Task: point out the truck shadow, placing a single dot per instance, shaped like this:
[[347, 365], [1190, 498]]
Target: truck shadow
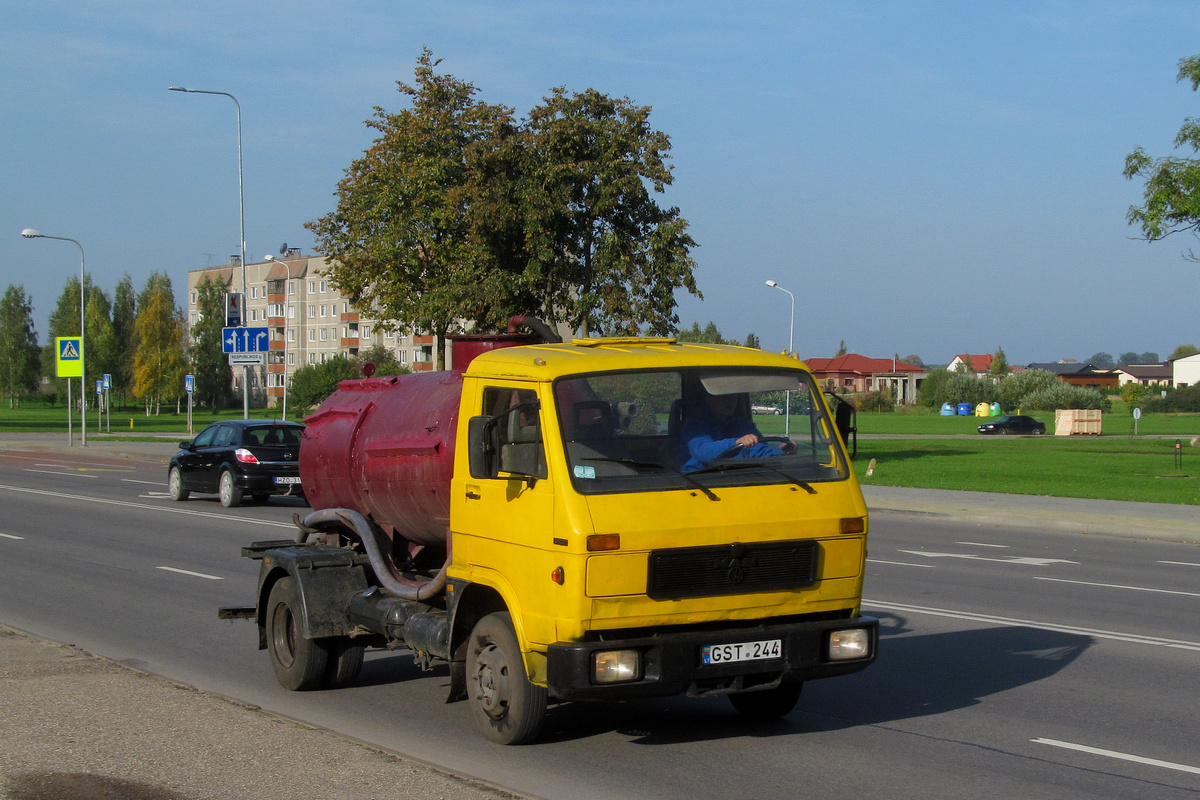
[[915, 675]]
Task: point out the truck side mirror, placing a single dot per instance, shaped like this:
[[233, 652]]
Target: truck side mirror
[[483, 442]]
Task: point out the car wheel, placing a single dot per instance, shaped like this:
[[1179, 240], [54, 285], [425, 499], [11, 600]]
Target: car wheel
[[1038, 431], [230, 494], [299, 663], [507, 708], [768, 704], [175, 485]]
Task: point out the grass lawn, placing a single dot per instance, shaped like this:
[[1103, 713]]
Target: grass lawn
[[1113, 466], [125, 424]]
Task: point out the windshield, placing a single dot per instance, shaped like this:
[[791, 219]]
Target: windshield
[[698, 429]]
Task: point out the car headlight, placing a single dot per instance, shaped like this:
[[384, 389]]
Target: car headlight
[[849, 644], [615, 666]]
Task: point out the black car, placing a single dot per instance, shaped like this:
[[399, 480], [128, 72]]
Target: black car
[[1017, 424], [256, 457]]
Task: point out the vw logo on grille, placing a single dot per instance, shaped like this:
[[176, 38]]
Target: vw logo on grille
[[736, 573]]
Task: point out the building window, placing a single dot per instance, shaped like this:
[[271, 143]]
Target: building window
[[312, 335], [323, 289], [291, 334], [312, 312], [324, 335], [291, 311], [389, 334], [312, 358], [403, 354], [291, 359], [254, 315], [323, 310], [291, 287], [311, 287], [193, 298]]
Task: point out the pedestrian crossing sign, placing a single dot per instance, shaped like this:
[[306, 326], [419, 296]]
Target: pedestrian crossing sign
[[70, 356]]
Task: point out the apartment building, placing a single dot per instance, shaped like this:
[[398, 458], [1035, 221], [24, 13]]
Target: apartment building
[[309, 321]]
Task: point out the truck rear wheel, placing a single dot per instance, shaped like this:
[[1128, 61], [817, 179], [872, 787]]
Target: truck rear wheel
[[507, 708], [299, 663], [345, 661], [769, 704]]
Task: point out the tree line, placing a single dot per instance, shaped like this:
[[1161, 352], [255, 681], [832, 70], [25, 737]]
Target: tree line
[[136, 337]]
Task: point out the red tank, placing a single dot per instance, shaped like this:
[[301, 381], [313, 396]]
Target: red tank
[[384, 446]]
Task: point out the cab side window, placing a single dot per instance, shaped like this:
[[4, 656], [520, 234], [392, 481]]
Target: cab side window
[[518, 423]]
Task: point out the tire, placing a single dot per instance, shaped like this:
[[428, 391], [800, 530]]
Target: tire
[[231, 495], [300, 664], [1038, 431], [175, 485], [345, 661], [507, 708], [769, 704]]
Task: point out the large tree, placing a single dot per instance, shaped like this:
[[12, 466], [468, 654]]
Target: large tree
[[18, 345], [1172, 194], [602, 254], [405, 239], [214, 378], [158, 363]]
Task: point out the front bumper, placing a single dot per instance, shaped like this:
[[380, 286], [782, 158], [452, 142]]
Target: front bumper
[[671, 662]]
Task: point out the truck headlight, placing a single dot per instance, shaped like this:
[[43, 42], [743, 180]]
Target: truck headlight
[[849, 644], [614, 666]]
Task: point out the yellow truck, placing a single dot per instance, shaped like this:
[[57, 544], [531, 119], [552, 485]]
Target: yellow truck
[[554, 522]]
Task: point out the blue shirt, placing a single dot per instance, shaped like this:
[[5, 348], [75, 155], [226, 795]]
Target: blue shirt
[[706, 437]]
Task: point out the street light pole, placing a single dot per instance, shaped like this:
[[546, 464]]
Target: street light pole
[[242, 235], [286, 307], [30, 233], [787, 424]]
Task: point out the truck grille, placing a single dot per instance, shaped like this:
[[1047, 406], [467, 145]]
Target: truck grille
[[732, 569]]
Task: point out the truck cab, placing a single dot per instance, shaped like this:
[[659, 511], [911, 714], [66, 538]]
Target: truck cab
[[626, 568]]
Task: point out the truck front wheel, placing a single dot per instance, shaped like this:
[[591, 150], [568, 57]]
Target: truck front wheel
[[769, 704], [507, 708], [299, 663]]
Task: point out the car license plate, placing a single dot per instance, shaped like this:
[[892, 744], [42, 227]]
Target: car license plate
[[742, 651], [281, 480]]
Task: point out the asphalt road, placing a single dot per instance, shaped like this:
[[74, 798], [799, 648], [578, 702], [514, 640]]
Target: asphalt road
[[1014, 663]]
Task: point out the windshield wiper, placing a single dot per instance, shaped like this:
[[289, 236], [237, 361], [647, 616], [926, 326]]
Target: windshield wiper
[[751, 464]]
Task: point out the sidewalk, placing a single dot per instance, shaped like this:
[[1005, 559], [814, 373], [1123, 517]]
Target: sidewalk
[[1109, 517], [74, 726]]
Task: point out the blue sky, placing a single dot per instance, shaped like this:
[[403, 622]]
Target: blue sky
[[926, 177]]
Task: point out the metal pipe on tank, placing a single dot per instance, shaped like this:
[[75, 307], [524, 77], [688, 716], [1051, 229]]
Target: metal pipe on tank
[[382, 566]]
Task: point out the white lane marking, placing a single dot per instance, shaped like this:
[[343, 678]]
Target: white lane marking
[[86, 466], [982, 544], [151, 483], [70, 474], [154, 494], [1119, 586], [10, 536], [1023, 560], [1153, 762], [167, 509], [1156, 641], [193, 574], [900, 563], [1180, 563]]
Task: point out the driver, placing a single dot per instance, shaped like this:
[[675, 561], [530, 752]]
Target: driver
[[717, 427]]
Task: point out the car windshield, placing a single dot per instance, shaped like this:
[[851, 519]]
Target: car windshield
[[626, 432]]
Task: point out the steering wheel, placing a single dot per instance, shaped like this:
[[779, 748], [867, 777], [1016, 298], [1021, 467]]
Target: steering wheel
[[737, 448]]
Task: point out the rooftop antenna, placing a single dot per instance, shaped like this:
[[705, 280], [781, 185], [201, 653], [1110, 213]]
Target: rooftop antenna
[[283, 249]]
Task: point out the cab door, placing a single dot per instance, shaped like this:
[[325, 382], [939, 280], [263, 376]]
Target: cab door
[[501, 517]]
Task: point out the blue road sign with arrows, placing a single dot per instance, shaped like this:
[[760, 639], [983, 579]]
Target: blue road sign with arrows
[[245, 340]]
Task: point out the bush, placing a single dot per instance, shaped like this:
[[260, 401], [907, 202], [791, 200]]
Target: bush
[[1185, 399], [1016, 386], [1131, 393], [1064, 395], [879, 400]]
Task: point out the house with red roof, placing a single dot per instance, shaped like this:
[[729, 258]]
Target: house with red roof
[[977, 364], [857, 373]]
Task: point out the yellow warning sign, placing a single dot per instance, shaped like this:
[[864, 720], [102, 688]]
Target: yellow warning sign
[[70, 358]]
